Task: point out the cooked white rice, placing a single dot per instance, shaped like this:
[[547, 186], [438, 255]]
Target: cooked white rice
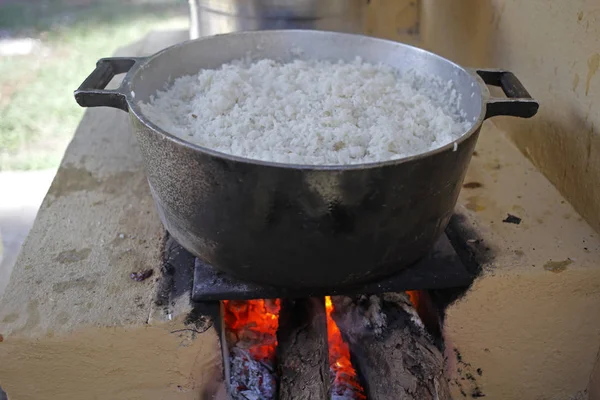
[[310, 112]]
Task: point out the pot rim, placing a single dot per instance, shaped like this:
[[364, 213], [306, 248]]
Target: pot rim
[[452, 146]]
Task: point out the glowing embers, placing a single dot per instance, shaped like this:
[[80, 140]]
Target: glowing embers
[[345, 384], [251, 334]]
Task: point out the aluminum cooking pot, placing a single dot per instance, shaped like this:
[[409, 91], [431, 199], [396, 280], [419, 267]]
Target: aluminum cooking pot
[[296, 225]]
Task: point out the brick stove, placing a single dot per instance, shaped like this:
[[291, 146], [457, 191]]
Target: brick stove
[[72, 317]]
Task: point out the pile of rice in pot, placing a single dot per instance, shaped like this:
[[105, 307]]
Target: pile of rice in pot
[[310, 112]]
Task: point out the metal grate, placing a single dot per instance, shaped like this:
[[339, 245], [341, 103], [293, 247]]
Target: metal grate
[[441, 268]]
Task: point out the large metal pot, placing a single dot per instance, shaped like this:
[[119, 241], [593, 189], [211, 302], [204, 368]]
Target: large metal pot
[[211, 17], [294, 225]]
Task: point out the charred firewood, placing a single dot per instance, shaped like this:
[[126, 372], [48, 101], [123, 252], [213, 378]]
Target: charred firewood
[[302, 351], [392, 351]]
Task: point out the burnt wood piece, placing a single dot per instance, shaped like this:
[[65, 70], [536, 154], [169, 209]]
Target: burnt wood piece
[[441, 268], [302, 350], [394, 355]]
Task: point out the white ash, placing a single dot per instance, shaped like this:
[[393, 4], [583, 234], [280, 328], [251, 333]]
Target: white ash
[[359, 316], [250, 379], [363, 315], [341, 390], [582, 395], [310, 112], [403, 301]]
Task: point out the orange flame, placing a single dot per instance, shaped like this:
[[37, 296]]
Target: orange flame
[[339, 356], [414, 296], [255, 322]]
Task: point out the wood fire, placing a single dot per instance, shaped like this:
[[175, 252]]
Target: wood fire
[[280, 349], [251, 329], [345, 383], [254, 323]]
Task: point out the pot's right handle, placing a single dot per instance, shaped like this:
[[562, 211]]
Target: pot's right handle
[[518, 102], [92, 92]]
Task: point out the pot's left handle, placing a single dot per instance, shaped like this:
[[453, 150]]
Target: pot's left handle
[[91, 93], [518, 101]]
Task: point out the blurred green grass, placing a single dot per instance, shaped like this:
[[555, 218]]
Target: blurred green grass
[[38, 114]]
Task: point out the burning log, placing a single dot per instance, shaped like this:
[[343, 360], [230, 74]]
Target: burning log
[[302, 352], [391, 349]]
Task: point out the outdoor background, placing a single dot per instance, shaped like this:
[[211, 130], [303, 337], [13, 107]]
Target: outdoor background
[[47, 48]]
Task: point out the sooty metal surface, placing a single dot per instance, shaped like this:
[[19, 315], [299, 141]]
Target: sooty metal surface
[[441, 268]]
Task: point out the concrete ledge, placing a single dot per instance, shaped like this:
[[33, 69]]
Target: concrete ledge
[[134, 362], [528, 323]]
